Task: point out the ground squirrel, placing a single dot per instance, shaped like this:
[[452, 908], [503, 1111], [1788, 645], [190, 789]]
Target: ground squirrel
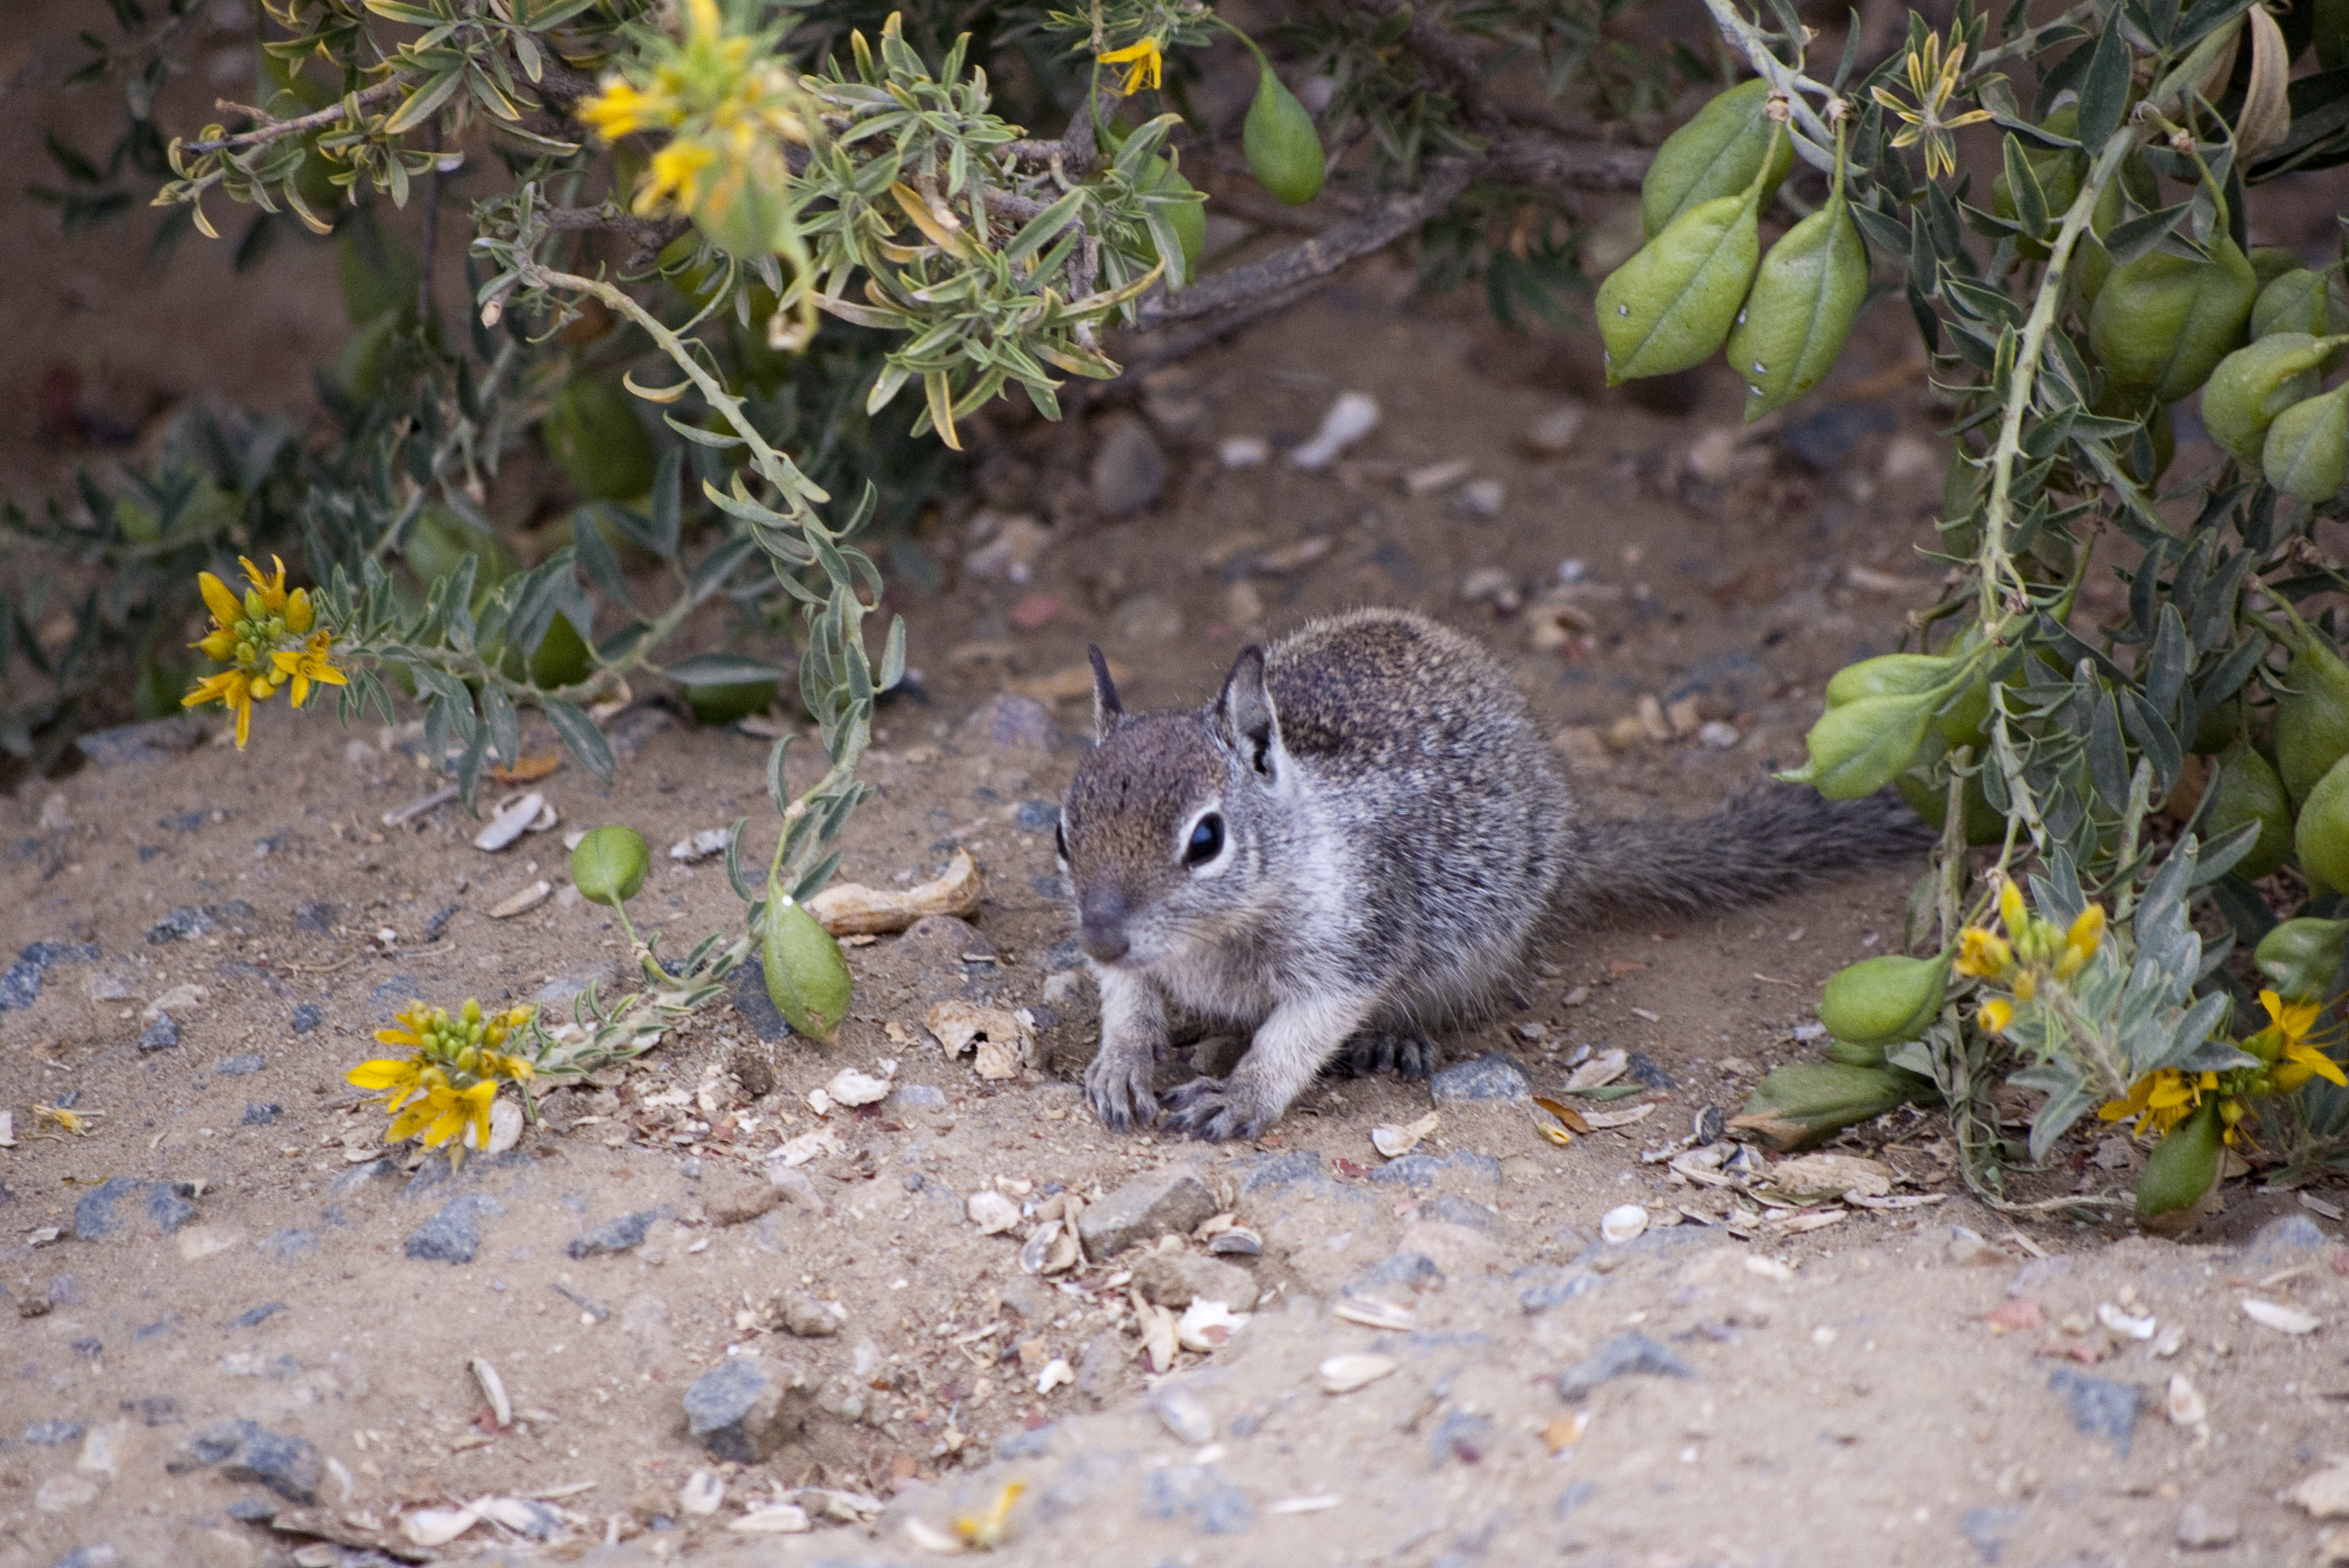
[[1356, 844]]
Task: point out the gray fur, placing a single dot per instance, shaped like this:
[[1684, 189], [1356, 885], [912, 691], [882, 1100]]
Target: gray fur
[[1394, 834]]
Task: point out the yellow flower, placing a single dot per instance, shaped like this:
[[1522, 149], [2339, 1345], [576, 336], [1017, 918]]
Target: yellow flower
[[2159, 1100], [1983, 954], [1932, 82], [2081, 942], [2011, 908], [1143, 61], [2291, 1020], [1996, 1014], [272, 589], [2302, 1061], [308, 662], [74, 1122], [620, 109], [413, 1025], [235, 690], [226, 607], [986, 1531], [675, 169], [397, 1080]]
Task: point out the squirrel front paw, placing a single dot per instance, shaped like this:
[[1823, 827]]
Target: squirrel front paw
[[1406, 1051], [1216, 1110], [1118, 1086]]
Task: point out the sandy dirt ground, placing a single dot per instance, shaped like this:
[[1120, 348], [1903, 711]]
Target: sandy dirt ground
[[237, 1330]]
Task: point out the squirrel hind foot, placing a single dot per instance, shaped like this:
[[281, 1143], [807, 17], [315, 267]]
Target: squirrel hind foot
[[1406, 1051], [1213, 1111]]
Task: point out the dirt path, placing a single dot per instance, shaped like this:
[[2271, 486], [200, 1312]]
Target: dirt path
[[230, 1304]]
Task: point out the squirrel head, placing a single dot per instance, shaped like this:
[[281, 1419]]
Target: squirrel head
[[1168, 827]]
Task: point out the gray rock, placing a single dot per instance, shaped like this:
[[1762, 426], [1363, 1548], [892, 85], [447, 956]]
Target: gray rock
[[1542, 1286], [1623, 1355], [253, 1511], [1425, 1169], [2099, 1406], [1202, 1491], [1145, 619], [747, 1407], [1184, 1413], [261, 1113], [97, 1554], [1010, 722], [356, 1177], [133, 745], [241, 1067], [247, 1450], [2277, 1242], [1143, 1209], [1451, 1209], [928, 1096], [1990, 1528], [749, 984], [22, 982], [1411, 1270], [253, 1317], [1463, 1435], [181, 925], [1178, 1278], [1129, 471], [454, 1235], [1037, 816], [154, 1410], [731, 1197], [395, 994], [307, 1016], [2201, 1529], [162, 1035], [1272, 1172], [96, 1218], [286, 1245], [615, 1236], [1496, 1075], [310, 915], [1641, 1069], [52, 1434]]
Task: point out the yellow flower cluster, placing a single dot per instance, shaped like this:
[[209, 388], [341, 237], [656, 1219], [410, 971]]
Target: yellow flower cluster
[[724, 108], [450, 1082], [2162, 1099], [267, 638], [1145, 64], [2031, 951]]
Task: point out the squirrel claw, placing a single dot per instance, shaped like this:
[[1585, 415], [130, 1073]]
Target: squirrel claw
[[1407, 1053], [1207, 1109], [1121, 1099]]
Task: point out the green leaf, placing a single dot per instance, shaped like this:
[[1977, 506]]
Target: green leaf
[[580, 736], [2104, 92], [420, 107], [722, 669]]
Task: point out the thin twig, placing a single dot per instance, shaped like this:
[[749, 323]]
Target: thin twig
[[364, 98], [650, 236]]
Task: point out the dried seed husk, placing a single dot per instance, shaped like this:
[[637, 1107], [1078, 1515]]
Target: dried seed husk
[[2256, 383], [1717, 153], [2161, 323], [1672, 304], [2306, 455], [1807, 1102], [1284, 151], [807, 978]]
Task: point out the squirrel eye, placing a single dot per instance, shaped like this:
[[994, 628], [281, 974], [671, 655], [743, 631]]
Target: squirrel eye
[[1060, 840], [1206, 841]]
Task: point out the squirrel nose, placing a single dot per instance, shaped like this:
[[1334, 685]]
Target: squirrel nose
[[1102, 924]]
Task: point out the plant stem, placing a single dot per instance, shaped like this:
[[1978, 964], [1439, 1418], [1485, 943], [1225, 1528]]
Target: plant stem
[[1817, 139]]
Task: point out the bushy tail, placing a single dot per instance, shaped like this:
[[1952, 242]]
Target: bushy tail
[[1762, 845]]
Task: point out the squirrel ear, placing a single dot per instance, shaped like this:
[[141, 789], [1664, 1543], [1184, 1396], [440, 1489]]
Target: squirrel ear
[[1246, 709], [1107, 709]]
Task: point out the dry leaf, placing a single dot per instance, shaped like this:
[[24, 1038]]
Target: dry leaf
[[526, 770], [2265, 119], [1572, 1120], [1005, 1043]]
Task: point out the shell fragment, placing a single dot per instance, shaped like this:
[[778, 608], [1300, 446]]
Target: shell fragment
[[1344, 1374]]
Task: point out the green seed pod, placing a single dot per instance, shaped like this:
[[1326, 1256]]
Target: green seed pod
[[1803, 303], [1671, 305], [1189, 218], [726, 702], [2306, 454], [2303, 301], [1879, 1001], [2322, 834], [610, 863], [2269, 262], [1888, 675], [2160, 325], [595, 437], [1862, 747], [807, 979], [560, 658], [2301, 956], [2184, 1164], [1807, 1102], [1716, 154], [1283, 150], [2215, 728], [2256, 383], [1852, 1055], [2091, 262], [1929, 799], [2250, 792], [2312, 726]]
